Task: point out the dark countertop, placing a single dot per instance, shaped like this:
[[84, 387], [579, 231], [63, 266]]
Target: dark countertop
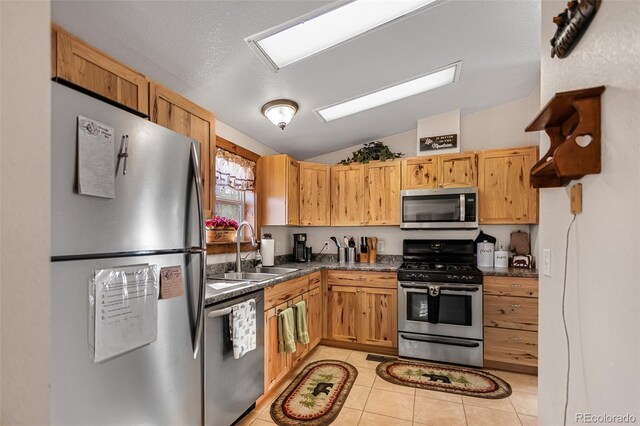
[[509, 272], [215, 296]]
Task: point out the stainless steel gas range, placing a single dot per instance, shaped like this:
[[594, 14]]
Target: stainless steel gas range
[[440, 302]]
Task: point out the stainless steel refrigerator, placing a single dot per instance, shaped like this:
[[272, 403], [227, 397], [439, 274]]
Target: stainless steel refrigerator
[[155, 218]]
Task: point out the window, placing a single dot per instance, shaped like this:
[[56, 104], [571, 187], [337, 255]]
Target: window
[[235, 183]]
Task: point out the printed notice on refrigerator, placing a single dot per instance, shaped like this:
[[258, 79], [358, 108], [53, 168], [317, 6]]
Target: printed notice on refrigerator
[[125, 310], [96, 159]]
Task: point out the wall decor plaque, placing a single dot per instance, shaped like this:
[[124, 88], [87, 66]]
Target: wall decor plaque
[[572, 23], [437, 143]]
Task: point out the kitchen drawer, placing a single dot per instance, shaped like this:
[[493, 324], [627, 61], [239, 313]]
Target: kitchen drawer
[[363, 279], [511, 346], [280, 293], [511, 286], [519, 313], [315, 280]]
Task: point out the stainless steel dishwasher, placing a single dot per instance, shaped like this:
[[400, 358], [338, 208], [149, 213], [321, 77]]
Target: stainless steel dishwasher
[[231, 386]]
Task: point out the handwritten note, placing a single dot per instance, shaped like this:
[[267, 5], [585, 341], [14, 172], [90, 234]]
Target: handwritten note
[[96, 159], [126, 310], [171, 282]]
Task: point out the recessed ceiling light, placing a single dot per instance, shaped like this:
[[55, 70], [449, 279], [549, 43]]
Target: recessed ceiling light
[[436, 78], [310, 34]]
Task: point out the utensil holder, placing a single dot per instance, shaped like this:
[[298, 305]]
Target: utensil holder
[[373, 255], [342, 255], [351, 255], [364, 257]]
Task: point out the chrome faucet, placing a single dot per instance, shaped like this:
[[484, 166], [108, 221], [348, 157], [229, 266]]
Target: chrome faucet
[[254, 243]]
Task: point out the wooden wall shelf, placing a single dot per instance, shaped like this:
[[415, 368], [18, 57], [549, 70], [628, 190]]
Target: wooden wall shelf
[[569, 118]]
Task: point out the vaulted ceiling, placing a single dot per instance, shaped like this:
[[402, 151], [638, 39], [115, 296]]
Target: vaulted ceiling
[[197, 48]]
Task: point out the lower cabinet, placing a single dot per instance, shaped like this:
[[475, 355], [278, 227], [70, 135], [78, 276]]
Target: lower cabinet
[[511, 323], [365, 313], [277, 298]]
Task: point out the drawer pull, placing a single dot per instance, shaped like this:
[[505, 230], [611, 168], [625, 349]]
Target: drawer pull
[[516, 339], [516, 285], [360, 278], [516, 306]]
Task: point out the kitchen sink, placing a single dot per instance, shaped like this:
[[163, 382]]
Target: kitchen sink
[[272, 270], [243, 276], [223, 285]]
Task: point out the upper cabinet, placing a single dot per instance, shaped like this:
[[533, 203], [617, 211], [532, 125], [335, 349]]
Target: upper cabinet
[[83, 66], [348, 195], [279, 190], [505, 192], [382, 186], [440, 171], [315, 204], [179, 114]]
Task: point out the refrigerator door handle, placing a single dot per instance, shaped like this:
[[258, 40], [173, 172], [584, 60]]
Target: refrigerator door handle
[[197, 336]]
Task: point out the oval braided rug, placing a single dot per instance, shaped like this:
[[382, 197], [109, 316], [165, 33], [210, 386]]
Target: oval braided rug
[[444, 378], [316, 396]]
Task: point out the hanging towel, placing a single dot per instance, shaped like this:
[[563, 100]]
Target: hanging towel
[[302, 333], [286, 331], [243, 327]]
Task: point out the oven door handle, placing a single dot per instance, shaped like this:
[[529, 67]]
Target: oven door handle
[[423, 289], [441, 341]]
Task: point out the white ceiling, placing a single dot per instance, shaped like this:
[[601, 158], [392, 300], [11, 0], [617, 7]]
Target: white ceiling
[[197, 48]]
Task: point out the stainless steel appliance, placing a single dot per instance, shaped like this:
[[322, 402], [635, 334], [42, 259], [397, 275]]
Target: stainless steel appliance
[[440, 302], [300, 247], [156, 218], [231, 386], [440, 208]]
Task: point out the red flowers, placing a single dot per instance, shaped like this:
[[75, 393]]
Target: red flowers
[[221, 223]]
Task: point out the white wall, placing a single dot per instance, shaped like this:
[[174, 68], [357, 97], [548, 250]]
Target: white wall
[[498, 127], [603, 278], [25, 111]]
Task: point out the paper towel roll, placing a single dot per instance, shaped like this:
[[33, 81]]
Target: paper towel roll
[[485, 254], [267, 248]]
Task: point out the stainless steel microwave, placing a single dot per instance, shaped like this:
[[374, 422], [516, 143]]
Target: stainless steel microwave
[[441, 208]]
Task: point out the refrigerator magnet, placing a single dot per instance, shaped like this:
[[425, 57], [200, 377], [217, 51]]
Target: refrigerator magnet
[[171, 282]]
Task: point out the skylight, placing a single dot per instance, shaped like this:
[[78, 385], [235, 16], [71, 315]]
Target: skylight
[[321, 30], [436, 78]]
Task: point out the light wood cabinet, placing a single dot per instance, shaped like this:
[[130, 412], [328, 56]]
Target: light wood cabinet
[[348, 195], [382, 179], [440, 171], [511, 323], [420, 173], [314, 315], [179, 114], [276, 364], [458, 170], [315, 198], [279, 190], [83, 66], [364, 313], [505, 192]]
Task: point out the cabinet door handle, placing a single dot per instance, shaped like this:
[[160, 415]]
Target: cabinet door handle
[[360, 278], [515, 306], [514, 285], [516, 339]]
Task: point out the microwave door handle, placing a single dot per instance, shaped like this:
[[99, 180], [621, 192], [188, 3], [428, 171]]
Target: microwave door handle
[[462, 206]]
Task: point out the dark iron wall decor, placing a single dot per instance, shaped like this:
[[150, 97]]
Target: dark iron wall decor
[[572, 23]]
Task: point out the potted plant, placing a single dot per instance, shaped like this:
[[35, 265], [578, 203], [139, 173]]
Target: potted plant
[[220, 229]]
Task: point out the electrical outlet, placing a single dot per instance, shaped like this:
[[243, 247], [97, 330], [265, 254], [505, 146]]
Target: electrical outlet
[[546, 262], [380, 247], [326, 245], [278, 247]]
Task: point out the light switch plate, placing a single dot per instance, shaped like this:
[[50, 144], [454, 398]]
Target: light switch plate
[[278, 247], [546, 262]]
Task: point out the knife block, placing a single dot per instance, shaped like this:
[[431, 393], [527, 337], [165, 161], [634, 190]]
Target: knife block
[[373, 256], [364, 257]]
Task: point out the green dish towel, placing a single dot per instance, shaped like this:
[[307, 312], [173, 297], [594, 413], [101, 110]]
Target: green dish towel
[[302, 333], [286, 331]]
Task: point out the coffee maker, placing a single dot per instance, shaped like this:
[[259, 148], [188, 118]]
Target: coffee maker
[[299, 247]]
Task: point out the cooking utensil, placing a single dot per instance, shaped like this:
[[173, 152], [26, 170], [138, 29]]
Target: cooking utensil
[[352, 242], [346, 241], [335, 240]]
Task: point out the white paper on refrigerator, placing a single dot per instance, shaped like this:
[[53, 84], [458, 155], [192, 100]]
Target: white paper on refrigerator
[[96, 158], [125, 309]]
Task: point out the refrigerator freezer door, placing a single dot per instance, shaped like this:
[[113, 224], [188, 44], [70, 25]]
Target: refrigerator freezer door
[[155, 206], [159, 384]]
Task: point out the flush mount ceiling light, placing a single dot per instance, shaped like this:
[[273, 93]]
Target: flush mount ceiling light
[[280, 112], [324, 28], [436, 78]]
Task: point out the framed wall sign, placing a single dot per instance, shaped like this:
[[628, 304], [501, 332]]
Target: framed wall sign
[[439, 134], [432, 144]]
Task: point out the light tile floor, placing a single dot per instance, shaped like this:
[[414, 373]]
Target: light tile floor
[[373, 401]]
